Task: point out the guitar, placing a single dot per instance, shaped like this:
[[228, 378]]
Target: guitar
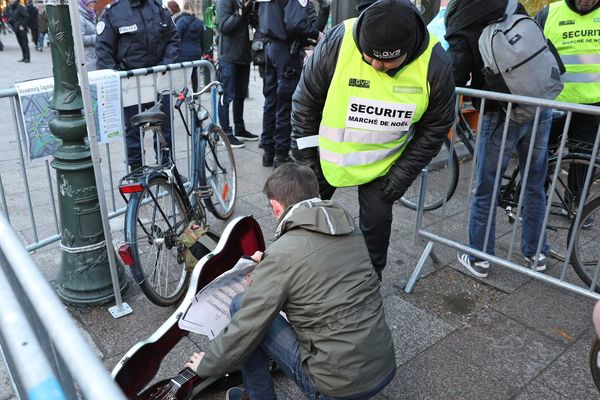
[[176, 388]]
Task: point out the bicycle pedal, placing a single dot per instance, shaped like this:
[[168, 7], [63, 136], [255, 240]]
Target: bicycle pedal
[[204, 192]]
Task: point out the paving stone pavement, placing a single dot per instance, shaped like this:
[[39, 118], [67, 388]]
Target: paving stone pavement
[[456, 337]]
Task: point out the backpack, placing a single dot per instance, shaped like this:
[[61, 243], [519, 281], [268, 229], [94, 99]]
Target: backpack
[[518, 59]]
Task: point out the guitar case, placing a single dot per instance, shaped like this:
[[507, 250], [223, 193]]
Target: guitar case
[[137, 368]]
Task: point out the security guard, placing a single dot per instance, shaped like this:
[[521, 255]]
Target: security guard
[[286, 25], [573, 26], [379, 91], [136, 34]]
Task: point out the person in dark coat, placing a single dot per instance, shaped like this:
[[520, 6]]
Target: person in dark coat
[[42, 27], [17, 19], [465, 20], [191, 33], [33, 22], [234, 63], [124, 31]]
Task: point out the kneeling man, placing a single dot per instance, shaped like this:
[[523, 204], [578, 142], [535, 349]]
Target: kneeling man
[[337, 344]]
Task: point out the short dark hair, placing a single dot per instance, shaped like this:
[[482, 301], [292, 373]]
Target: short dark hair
[[291, 183]]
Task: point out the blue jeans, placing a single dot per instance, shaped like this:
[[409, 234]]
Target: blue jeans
[[534, 202], [235, 78], [280, 344], [41, 40]]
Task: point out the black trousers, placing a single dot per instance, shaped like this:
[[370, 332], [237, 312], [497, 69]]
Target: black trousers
[[23, 42], [375, 219], [282, 73]]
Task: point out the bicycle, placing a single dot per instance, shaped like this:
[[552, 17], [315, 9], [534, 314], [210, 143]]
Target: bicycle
[[162, 203], [443, 170]]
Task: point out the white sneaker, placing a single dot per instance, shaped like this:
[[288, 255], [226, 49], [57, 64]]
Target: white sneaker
[[541, 264], [477, 268]]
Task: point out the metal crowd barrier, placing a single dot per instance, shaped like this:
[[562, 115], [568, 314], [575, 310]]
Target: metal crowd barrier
[[42, 347], [27, 191], [432, 226]]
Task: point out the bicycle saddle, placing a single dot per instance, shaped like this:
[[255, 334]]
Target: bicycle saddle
[[153, 116]]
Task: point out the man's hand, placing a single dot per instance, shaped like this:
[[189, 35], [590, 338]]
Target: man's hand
[[257, 256], [321, 36], [194, 361]]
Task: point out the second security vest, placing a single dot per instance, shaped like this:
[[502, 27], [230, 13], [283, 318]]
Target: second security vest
[[368, 116], [577, 39]]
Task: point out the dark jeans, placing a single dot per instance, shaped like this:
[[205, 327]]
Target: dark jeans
[[375, 219], [235, 78], [132, 134], [518, 138], [280, 344], [23, 43], [282, 73]]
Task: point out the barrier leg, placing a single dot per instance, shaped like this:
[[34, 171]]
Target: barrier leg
[[420, 264]]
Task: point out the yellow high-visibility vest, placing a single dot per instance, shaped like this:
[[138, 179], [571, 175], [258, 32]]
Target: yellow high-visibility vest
[[577, 39], [368, 116]]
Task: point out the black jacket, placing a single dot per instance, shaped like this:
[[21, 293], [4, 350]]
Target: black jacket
[[17, 16], [430, 131], [136, 34], [191, 32], [465, 20], [286, 21], [234, 41], [33, 16]]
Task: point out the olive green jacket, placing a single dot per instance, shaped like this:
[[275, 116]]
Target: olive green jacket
[[319, 273]]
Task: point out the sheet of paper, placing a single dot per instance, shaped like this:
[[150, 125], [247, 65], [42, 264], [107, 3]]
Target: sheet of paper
[[208, 312]]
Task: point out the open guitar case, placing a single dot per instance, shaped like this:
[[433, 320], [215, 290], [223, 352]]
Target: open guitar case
[[137, 368]]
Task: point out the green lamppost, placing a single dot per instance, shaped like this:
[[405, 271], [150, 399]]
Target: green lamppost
[[84, 277]]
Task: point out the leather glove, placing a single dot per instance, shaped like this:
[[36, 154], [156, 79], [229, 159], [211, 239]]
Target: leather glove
[[391, 187]]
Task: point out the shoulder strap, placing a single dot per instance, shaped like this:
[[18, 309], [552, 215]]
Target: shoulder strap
[[511, 7]]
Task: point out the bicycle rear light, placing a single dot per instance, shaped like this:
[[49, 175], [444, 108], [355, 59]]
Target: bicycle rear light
[[125, 254], [131, 188]]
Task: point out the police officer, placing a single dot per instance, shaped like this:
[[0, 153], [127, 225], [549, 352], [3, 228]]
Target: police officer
[[573, 28], [137, 34], [379, 92], [286, 25]]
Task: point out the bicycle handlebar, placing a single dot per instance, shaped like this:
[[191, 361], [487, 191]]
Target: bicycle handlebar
[[181, 96]]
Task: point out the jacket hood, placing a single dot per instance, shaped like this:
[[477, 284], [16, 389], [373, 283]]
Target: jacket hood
[[421, 41], [571, 4], [461, 14], [316, 215]]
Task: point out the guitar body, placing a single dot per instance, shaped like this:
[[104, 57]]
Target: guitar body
[[137, 368]]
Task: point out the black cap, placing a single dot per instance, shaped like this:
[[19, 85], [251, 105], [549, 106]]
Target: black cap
[[389, 29]]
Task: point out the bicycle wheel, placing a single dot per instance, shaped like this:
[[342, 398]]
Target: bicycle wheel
[[441, 182], [563, 208], [219, 174], [155, 220], [585, 257]]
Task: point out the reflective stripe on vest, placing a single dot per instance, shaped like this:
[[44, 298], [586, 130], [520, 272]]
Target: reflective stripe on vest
[[368, 115], [577, 39]]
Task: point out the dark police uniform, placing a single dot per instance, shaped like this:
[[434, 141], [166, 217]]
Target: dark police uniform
[[283, 22], [136, 34]]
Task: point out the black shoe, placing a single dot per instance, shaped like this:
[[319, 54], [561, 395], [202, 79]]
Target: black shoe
[[281, 159], [26, 61], [234, 142], [22, 60], [267, 159], [246, 136]]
